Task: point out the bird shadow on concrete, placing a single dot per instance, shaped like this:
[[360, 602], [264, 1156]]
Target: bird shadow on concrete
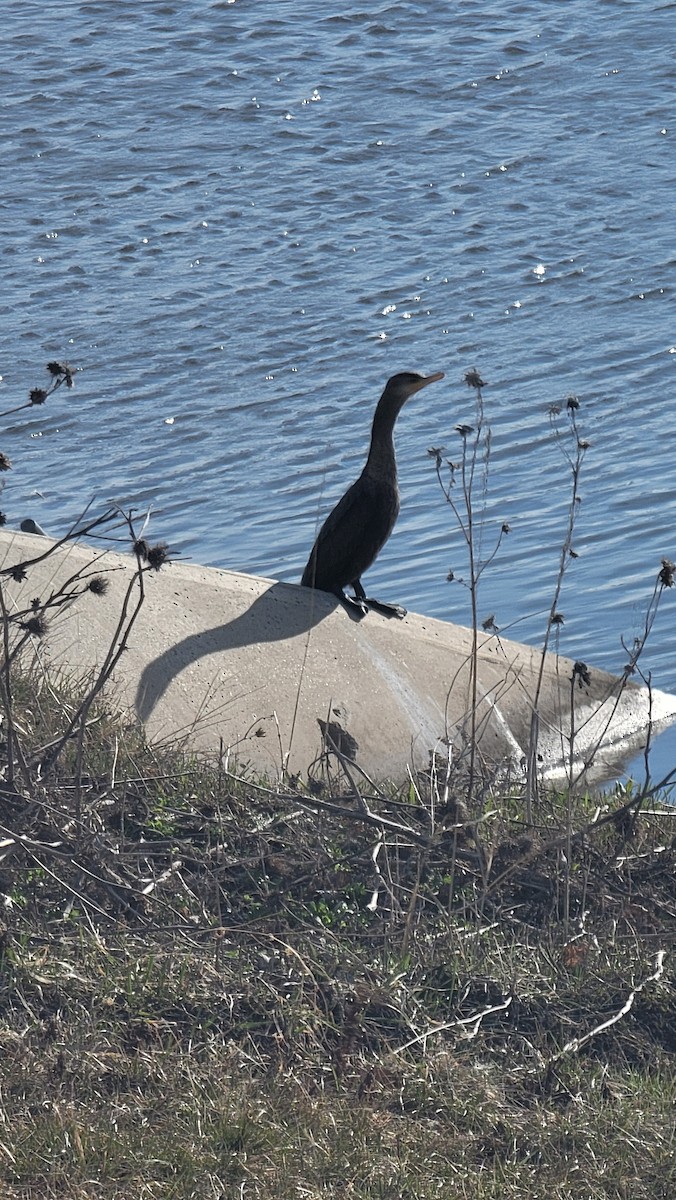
[[283, 611]]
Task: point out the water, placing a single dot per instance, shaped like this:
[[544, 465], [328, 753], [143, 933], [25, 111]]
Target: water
[[242, 219]]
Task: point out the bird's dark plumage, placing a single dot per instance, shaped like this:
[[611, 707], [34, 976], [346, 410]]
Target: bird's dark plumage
[[356, 530]]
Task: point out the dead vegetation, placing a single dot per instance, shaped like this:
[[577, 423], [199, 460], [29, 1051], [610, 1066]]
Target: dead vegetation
[[210, 987]]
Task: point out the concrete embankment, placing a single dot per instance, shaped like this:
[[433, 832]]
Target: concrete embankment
[[233, 661]]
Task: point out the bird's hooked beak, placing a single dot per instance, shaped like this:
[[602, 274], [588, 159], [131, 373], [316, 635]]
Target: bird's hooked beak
[[423, 382]]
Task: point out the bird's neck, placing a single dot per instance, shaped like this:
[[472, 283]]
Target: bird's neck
[[381, 462]]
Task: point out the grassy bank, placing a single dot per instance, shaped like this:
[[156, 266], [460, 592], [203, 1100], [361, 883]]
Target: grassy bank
[[211, 989]]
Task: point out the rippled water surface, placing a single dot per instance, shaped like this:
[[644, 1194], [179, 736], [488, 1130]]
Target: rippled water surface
[[239, 219]]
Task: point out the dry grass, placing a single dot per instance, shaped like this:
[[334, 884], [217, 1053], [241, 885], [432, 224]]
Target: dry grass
[[207, 989]]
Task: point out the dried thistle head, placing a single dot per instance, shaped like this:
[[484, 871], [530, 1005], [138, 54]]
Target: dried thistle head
[[582, 674], [5, 462], [37, 396], [35, 625], [18, 573], [61, 372], [158, 556], [155, 556], [473, 379], [558, 619], [666, 574], [98, 586], [3, 518], [572, 403]]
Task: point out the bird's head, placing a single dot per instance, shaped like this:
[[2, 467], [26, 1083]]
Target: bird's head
[[401, 387]]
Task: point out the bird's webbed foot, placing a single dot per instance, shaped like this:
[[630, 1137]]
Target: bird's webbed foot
[[388, 610]]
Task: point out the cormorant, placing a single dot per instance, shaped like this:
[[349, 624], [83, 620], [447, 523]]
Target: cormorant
[[356, 530]]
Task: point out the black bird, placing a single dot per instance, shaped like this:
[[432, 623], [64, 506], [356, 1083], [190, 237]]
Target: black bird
[[355, 532]]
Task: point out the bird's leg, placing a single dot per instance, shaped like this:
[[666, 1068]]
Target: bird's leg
[[355, 607], [388, 610]]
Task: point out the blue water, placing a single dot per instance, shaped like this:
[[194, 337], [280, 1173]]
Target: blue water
[[241, 219]]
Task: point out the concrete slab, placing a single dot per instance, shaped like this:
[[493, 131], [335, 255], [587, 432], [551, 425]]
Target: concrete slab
[[228, 660]]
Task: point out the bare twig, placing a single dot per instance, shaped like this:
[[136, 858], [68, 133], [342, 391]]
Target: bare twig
[[577, 1043]]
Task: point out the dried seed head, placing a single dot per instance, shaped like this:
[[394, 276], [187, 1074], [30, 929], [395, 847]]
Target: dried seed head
[[18, 573], [506, 527], [141, 548], [473, 379], [157, 556], [581, 673], [98, 586], [61, 372], [5, 462], [666, 575], [3, 518], [572, 403], [35, 625], [464, 430], [37, 395], [557, 619], [36, 604]]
